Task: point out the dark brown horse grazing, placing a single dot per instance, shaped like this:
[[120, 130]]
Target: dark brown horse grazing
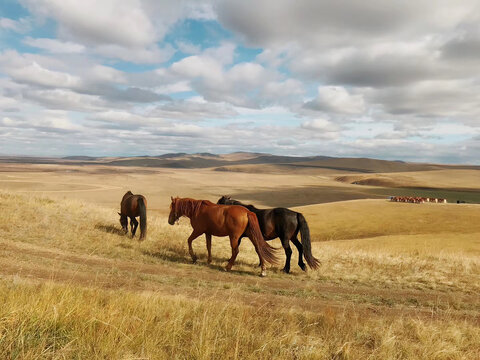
[[220, 220], [133, 206], [284, 224]]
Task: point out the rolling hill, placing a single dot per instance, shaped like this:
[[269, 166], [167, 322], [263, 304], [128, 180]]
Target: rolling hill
[[242, 161]]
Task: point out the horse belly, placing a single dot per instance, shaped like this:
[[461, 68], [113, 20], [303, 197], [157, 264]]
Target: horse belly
[[218, 233]]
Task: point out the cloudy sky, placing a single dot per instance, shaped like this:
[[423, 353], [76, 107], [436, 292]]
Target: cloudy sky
[[383, 79]]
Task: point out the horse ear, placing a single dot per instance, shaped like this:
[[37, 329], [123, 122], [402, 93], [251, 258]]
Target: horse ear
[[171, 197], [119, 213]]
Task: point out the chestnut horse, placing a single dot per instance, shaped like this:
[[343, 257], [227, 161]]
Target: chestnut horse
[[284, 224], [132, 206], [221, 220]]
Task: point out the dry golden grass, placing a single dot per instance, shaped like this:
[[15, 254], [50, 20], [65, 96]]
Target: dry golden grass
[[74, 287], [106, 185], [52, 321], [369, 218]]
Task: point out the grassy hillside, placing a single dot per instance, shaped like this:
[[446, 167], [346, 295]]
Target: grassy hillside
[[368, 218], [439, 179], [72, 286]]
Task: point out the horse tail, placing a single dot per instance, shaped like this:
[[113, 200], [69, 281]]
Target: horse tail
[[143, 218], [307, 247], [266, 251]]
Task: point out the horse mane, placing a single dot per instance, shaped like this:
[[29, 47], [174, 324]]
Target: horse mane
[[248, 206], [251, 207], [189, 207], [127, 195]]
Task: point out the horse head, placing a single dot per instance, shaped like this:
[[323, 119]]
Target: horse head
[[223, 200], [174, 215]]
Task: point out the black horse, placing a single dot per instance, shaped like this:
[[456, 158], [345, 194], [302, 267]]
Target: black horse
[[284, 224]]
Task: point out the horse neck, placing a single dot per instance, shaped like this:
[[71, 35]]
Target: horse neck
[[234, 202], [188, 207]]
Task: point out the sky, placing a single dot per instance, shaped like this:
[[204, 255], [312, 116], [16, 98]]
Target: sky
[[397, 80]]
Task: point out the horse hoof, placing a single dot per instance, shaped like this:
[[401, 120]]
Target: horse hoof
[[303, 267], [263, 273], [209, 261], [227, 269], [286, 271], [194, 261]]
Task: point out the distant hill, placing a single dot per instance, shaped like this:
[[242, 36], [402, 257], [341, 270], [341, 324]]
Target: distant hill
[[243, 162], [86, 158]]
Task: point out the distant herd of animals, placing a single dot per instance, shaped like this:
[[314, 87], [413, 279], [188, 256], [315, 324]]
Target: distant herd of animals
[[230, 218], [418, 200]]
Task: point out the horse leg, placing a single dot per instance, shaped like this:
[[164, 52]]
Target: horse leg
[[299, 247], [288, 254], [234, 245], [209, 247], [134, 225], [192, 237]]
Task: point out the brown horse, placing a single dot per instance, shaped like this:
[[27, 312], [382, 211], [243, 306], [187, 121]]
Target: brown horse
[[221, 220], [132, 206]]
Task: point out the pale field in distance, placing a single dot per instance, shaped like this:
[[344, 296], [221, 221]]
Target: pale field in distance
[[395, 281]]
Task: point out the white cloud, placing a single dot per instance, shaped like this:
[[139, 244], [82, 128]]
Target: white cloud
[[188, 48], [99, 22], [20, 26], [152, 54], [337, 99], [321, 125], [55, 46], [35, 74]]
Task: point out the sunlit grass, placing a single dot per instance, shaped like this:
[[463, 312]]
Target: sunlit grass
[[75, 287], [52, 321]]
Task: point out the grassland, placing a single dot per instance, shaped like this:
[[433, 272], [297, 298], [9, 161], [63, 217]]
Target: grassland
[[396, 281]]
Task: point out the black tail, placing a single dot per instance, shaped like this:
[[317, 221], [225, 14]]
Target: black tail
[[143, 219], [307, 247], [266, 251]]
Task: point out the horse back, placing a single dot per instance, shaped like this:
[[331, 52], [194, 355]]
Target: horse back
[[130, 204], [277, 222], [221, 220]]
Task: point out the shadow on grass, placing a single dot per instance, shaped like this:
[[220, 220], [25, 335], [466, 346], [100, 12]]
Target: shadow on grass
[[218, 264], [111, 229]]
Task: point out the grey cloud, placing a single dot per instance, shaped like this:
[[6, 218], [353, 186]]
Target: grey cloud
[[379, 72], [191, 110], [465, 46], [134, 94], [273, 21], [456, 99]]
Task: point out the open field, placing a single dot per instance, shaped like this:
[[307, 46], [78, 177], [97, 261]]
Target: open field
[[435, 179], [395, 281]]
